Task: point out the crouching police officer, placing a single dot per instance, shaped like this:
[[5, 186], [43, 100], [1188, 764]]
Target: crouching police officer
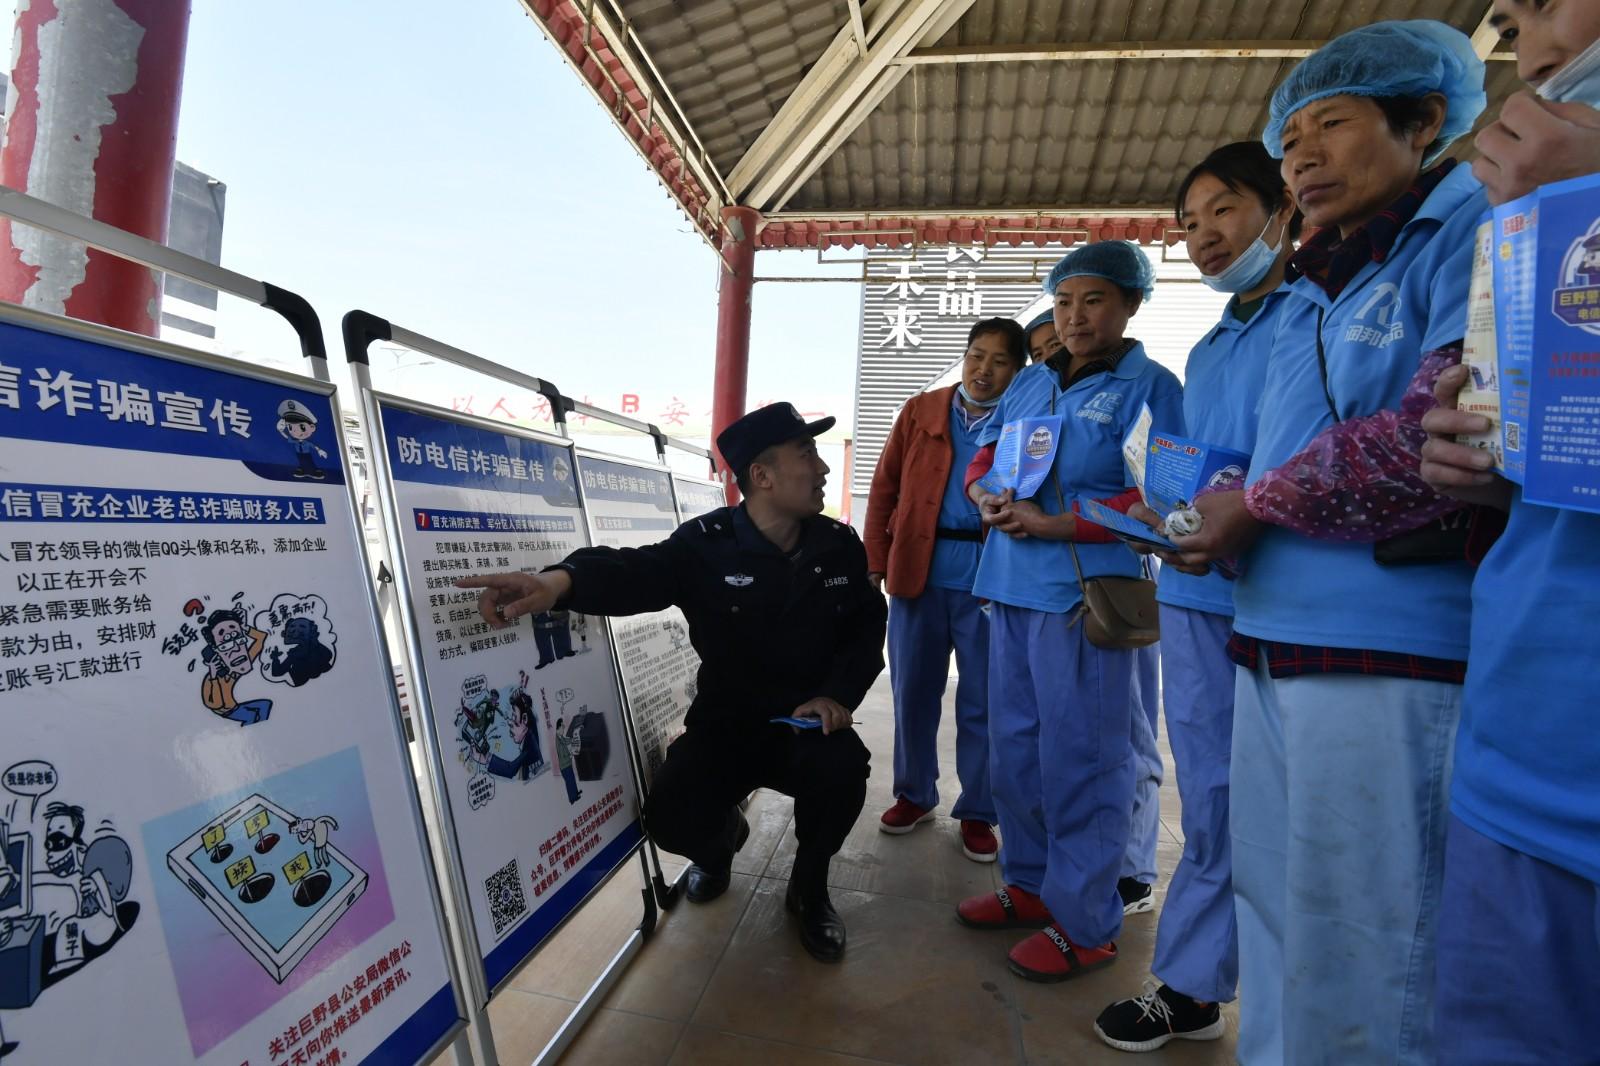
[[785, 624]]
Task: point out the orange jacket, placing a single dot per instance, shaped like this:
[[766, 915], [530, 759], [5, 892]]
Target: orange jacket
[[907, 489]]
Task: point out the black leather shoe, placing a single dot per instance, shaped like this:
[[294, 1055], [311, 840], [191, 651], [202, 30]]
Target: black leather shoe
[[821, 928], [701, 885]]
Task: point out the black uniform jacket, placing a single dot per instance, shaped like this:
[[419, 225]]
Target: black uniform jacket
[[772, 631]]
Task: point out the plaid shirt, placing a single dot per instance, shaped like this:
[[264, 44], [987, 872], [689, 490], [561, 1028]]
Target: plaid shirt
[[1293, 660], [1331, 263]]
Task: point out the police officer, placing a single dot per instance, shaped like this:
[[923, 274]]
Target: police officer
[[785, 623]]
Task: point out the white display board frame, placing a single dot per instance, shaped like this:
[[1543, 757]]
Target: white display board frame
[[365, 629], [361, 329]]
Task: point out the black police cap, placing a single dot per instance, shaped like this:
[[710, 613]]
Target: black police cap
[[759, 430]]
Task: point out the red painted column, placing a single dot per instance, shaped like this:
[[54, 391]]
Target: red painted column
[[740, 225], [94, 130]]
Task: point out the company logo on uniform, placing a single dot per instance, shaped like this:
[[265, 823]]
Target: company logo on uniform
[[1377, 321], [1101, 408], [1039, 443], [739, 581], [1576, 300]]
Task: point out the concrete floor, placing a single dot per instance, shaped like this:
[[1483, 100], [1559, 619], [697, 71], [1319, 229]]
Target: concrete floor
[[728, 982]]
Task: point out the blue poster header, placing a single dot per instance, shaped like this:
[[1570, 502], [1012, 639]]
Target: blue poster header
[[75, 391], [436, 450], [605, 480]]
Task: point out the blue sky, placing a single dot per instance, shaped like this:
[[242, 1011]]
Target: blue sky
[[442, 166]]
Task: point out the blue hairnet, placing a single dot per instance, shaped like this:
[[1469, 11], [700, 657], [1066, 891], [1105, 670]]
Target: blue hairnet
[[1116, 261], [1405, 59], [1047, 317]]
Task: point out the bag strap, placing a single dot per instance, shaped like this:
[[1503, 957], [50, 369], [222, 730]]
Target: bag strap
[[1144, 562]]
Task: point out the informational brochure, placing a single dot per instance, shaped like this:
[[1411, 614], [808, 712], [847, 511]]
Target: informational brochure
[[1171, 471], [1122, 526], [1023, 456], [1538, 377]]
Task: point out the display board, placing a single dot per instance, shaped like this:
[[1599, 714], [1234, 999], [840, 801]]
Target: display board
[[630, 505], [210, 847], [528, 737], [696, 497]]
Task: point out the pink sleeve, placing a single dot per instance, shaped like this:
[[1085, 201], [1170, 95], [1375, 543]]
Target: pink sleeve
[[1361, 480]]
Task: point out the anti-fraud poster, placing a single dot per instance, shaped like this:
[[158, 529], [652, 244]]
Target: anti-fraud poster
[[209, 847], [527, 719], [696, 498], [630, 506]]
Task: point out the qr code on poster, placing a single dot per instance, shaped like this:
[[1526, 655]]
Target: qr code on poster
[[1513, 437], [507, 904]]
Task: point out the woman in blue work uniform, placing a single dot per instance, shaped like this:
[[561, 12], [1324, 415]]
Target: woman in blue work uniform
[[1241, 225], [1060, 709], [1350, 687], [1519, 947]]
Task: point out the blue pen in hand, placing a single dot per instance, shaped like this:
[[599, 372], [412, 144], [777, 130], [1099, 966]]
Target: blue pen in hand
[[798, 723]]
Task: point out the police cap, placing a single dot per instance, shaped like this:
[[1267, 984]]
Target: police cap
[[776, 423]]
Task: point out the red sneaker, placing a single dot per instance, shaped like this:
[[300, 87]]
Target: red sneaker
[[1008, 908], [1049, 956], [903, 817], [978, 842]]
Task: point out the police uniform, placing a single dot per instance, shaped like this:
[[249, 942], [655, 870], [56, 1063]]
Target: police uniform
[[773, 630]]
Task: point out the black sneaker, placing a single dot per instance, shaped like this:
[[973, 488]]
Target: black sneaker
[[1137, 897], [1148, 1021]]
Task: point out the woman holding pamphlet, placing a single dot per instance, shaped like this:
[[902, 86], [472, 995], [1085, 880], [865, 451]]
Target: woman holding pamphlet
[[1522, 866], [1240, 225], [922, 537], [1347, 700], [1060, 707]]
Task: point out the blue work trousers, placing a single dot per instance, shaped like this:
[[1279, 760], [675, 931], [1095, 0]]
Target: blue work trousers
[[1062, 765], [1519, 957], [1139, 862], [923, 631], [1197, 942], [1338, 792]]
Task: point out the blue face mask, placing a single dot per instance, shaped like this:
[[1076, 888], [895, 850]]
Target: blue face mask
[[1246, 272], [1578, 81], [966, 397]]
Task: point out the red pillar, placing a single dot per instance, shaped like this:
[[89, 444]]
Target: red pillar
[[94, 130], [738, 274]]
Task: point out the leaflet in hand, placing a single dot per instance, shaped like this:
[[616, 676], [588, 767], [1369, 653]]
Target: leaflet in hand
[[1171, 471], [1023, 456], [1537, 378], [1123, 527]]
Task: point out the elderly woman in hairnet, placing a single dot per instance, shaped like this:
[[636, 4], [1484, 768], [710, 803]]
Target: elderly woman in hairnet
[[1351, 665], [1061, 710]]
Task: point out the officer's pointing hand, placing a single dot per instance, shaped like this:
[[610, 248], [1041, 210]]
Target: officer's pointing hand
[[834, 715], [507, 597]]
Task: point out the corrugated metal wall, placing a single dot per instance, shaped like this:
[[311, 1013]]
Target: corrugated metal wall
[[918, 306]]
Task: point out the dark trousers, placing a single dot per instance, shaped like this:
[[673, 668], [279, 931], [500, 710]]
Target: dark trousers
[[707, 772]]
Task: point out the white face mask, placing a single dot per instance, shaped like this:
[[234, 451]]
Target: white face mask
[[984, 404], [1246, 272], [1578, 81]]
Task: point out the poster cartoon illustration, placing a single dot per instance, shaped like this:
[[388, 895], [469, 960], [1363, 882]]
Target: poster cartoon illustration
[[65, 889], [275, 900], [296, 424], [526, 760], [293, 634]]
